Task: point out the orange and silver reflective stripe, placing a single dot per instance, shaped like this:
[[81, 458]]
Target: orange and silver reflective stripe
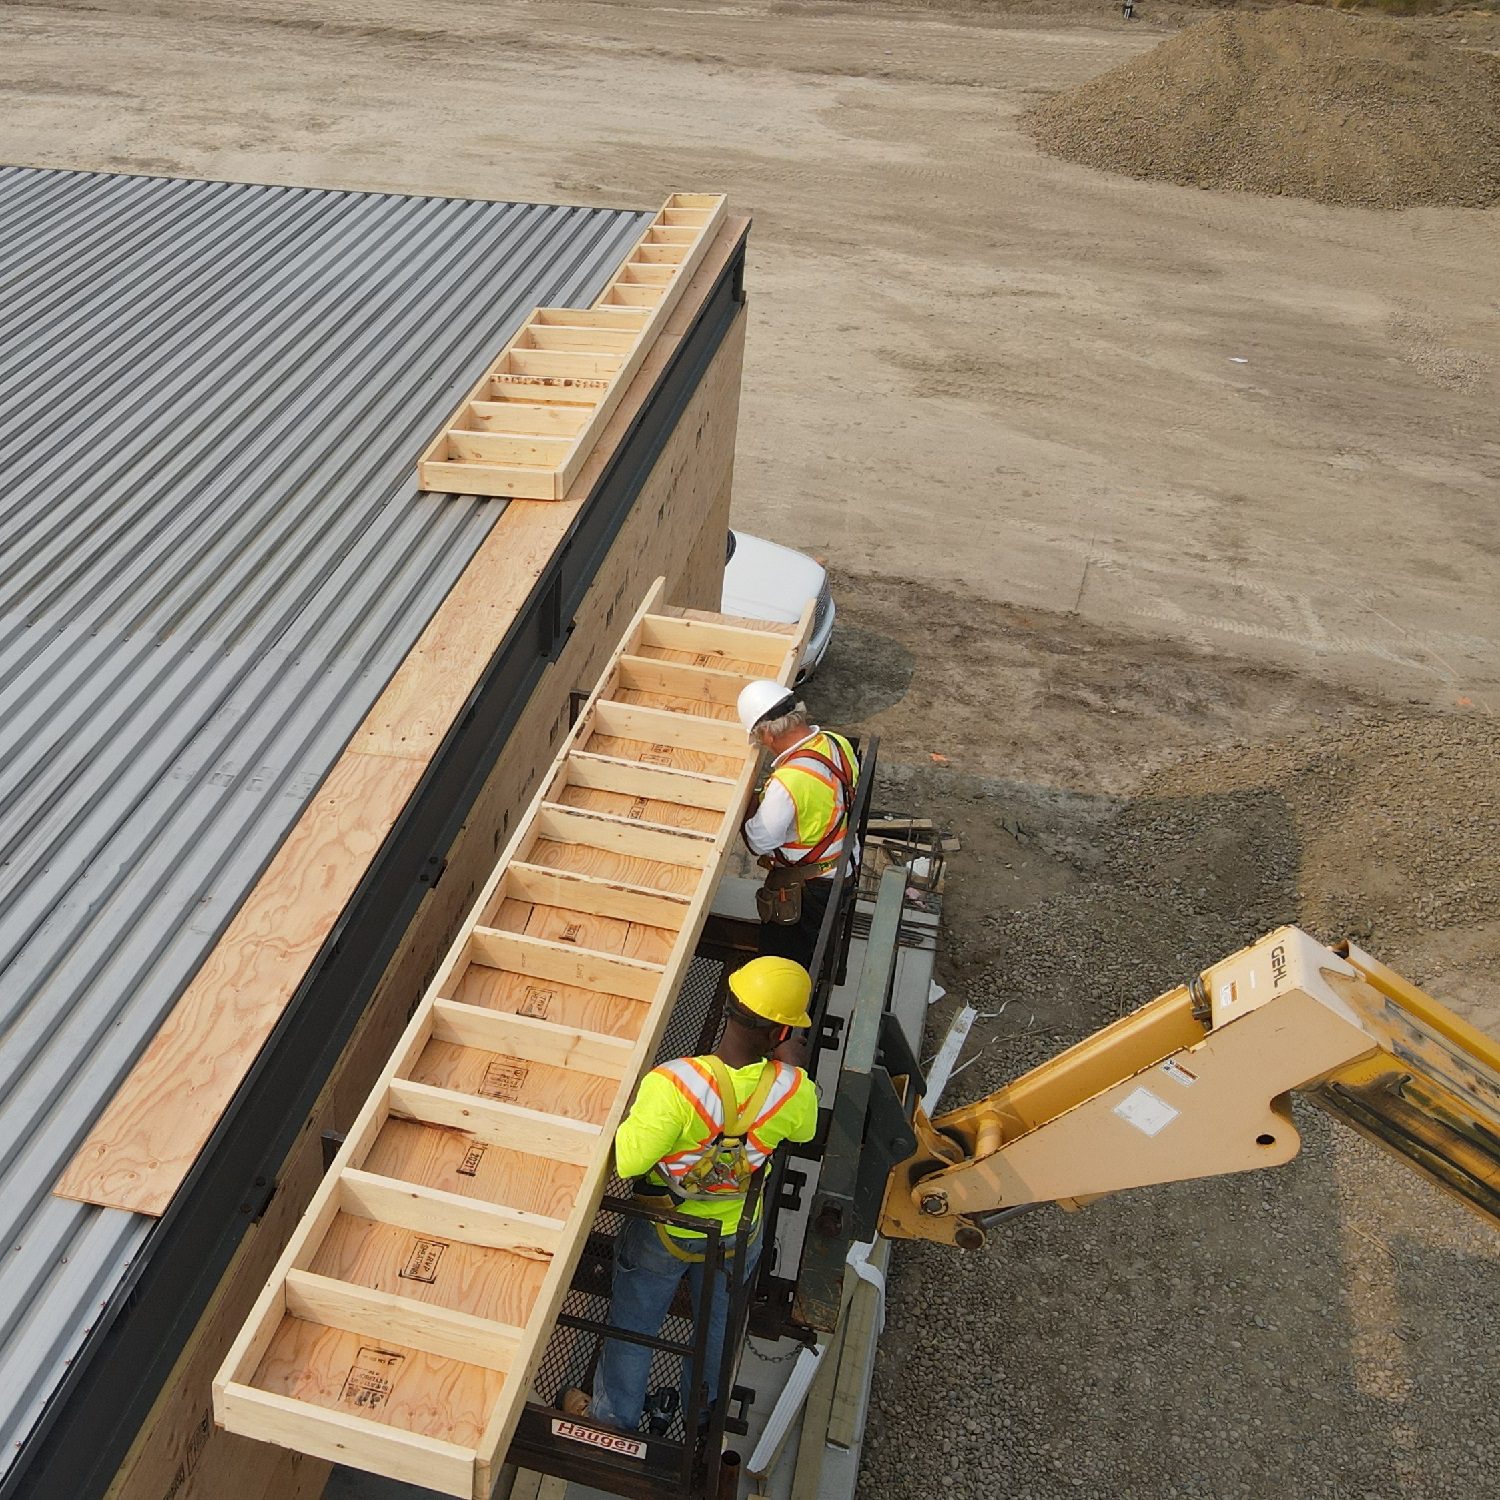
[[782, 1090]]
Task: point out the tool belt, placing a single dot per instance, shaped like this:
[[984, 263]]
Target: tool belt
[[779, 900]]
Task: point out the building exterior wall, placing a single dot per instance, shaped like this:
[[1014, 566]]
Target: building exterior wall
[[676, 529]]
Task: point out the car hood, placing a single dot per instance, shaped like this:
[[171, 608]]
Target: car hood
[[766, 581]]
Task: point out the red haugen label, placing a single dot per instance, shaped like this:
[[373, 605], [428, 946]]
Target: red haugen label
[[612, 1442]]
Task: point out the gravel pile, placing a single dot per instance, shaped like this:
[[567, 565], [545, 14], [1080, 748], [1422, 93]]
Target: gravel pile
[[1320, 1331], [1301, 102]]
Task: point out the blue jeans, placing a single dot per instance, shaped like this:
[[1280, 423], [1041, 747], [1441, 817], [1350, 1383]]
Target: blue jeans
[[646, 1278]]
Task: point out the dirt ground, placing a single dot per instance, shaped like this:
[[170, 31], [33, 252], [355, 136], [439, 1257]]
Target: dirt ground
[[1168, 517]]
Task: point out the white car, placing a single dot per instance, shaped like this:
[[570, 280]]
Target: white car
[[765, 581]]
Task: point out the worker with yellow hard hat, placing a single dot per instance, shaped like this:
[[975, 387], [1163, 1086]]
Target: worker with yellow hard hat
[[799, 825], [700, 1127]]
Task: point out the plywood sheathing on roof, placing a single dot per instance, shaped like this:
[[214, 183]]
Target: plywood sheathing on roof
[[148, 1137], [676, 528]]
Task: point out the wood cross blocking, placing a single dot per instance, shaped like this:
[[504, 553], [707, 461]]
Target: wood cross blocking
[[529, 425], [401, 1329]]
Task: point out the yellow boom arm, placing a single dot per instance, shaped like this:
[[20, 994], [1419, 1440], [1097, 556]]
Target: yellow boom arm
[[1195, 1084]]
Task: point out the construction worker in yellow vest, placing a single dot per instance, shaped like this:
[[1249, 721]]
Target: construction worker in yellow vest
[[799, 826], [699, 1128]]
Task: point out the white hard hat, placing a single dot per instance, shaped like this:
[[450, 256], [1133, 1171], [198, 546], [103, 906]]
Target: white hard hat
[[763, 699]]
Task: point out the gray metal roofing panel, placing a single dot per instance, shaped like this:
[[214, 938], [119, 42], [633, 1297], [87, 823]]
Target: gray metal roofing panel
[[213, 556]]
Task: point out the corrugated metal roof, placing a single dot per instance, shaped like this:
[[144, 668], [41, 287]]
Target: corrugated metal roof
[[212, 558]]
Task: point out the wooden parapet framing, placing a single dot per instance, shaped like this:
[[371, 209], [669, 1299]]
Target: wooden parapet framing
[[529, 425], [400, 1331]]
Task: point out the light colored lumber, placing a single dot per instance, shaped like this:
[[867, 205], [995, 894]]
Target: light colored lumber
[[605, 898], [642, 810], [386, 1382], [575, 364], [406, 1456], [608, 773], [457, 1161], [525, 417], [519, 994], [505, 448], [659, 753], [589, 317], [151, 1132], [697, 708], [568, 1093], [607, 972], [634, 296], [679, 681], [523, 1036], [610, 340], [307, 1359], [512, 480], [426, 1210], [498, 1285], [600, 348], [493, 1120], [636, 721], [709, 638], [420, 1325], [668, 846]]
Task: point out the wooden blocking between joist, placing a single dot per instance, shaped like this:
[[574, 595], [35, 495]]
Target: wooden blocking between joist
[[374, 1314], [529, 1038], [636, 721], [571, 890], [410, 1457], [609, 973], [622, 836], [494, 1122], [707, 639], [630, 778], [679, 680], [523, 419], [427, 1210]]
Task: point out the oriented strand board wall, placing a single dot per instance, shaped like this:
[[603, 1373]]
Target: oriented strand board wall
[[676, 529]]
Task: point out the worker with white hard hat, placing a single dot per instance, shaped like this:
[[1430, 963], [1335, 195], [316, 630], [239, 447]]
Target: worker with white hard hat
[[800, 825], [698, 1131]]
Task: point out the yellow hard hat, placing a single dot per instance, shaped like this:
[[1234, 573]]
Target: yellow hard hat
[[776, 989]]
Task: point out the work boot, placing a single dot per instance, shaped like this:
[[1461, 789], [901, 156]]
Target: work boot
[[574, 1402], [661, 1407]]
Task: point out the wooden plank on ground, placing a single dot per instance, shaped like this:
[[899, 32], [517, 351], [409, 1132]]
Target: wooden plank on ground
[[525, 1081]]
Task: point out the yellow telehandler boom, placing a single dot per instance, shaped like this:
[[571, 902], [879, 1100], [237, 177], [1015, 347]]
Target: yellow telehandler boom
[[1196, 1084]]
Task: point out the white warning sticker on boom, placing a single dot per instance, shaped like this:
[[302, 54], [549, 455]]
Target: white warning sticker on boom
[[1148, 1113]]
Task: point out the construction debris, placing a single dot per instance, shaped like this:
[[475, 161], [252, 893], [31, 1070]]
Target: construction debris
[[1300, 102]]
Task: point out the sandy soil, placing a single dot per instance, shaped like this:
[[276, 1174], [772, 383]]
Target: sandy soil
[[1167, 516]]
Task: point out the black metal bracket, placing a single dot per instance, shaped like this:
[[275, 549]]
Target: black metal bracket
[[333, 1140], [741, 1398]]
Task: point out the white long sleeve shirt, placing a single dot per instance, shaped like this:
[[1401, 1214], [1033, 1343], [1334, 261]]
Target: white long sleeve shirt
[[775, 821]]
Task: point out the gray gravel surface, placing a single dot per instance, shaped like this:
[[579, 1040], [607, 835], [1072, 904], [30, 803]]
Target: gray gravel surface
[[1321, 1330]]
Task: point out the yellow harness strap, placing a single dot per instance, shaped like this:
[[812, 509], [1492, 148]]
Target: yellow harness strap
[[737, 1121]]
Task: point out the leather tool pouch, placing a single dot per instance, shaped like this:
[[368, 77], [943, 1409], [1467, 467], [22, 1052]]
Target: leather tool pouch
[[779, 900]]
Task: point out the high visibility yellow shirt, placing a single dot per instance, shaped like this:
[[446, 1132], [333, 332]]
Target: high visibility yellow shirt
[[803, 802], [665, 1120]]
